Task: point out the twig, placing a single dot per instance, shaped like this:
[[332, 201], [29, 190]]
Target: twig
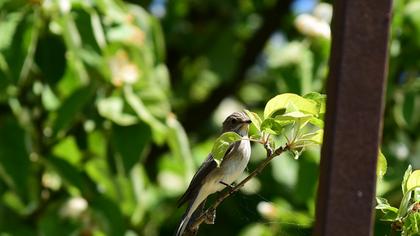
[[270, 155]]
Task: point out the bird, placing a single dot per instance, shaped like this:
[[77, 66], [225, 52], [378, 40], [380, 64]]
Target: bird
[[211, 178]]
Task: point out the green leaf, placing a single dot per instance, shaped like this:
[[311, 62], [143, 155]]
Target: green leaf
[[255, 118], [20, 53], [179, 144], [110, 215], [381, 166], [317, 122], [414, 180], [68, 172], [50, 58], [8, 27], [222, 144], [68, 150], [71, 108], [405, 179], [275, 126], [390, 212], [130, 142], [389, 215], [402, 211], [315, 137], [294, 115], [382, 204], [411, 224], [14, 161], [112, 109], [158, 39], [73, 41], [320, 99], [281, 102], [159, 130], [49, 99]]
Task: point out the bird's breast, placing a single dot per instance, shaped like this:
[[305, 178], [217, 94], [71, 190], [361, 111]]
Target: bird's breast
[[234, 165]]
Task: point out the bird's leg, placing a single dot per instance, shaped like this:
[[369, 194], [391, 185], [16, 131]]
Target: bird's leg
[[230, 186], [210, 217]]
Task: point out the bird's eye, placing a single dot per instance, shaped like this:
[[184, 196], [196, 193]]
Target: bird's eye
[[234, 121]]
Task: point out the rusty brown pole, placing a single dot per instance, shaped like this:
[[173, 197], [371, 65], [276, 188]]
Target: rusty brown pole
[[356, 82]]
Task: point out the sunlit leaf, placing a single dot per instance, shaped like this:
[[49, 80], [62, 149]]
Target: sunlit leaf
[[281, 102], [316, 137], [255, 118], [67, 149], [403, 209], [316, 122], [405, 179], [222, 144], [382, 165], [320, 99], [49, 99], [411, 224], [389, 212], [414, 180], [275, 126], [382, 203], [294, 115], [255, 136], [8, 27], [112, 108]]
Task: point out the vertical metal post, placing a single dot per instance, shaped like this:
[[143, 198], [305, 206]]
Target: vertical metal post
[[358, 66]]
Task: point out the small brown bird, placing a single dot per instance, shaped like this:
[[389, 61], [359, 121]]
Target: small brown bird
[[210, 178]]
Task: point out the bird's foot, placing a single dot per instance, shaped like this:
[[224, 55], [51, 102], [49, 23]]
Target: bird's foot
[[230, 186], [210, 217]]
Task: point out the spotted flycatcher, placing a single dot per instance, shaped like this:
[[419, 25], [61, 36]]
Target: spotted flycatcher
[[210, 178]]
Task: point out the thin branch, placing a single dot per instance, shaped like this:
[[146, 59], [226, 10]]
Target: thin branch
[[270, 155]]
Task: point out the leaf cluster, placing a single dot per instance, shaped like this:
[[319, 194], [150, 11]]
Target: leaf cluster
[[406, 218]]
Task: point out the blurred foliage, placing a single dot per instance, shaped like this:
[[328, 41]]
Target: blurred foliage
[[406, 218], [97, 98]]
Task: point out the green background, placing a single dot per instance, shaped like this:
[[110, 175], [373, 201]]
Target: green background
[[108, 107]]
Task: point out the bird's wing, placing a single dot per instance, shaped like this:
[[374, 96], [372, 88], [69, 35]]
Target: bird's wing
[[208, 165]]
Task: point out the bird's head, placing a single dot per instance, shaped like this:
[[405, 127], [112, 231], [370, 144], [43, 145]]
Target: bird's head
[[237, 122]]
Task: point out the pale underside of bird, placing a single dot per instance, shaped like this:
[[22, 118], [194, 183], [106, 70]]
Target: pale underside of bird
[[210, 178]]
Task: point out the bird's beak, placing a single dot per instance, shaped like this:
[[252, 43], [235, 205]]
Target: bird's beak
[[247, 121]]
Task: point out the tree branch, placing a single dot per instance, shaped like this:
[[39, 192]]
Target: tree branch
[[202, 218]]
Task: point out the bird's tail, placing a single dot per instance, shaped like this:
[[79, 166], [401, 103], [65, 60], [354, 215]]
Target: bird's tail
[[189, 217], [183, 225]]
